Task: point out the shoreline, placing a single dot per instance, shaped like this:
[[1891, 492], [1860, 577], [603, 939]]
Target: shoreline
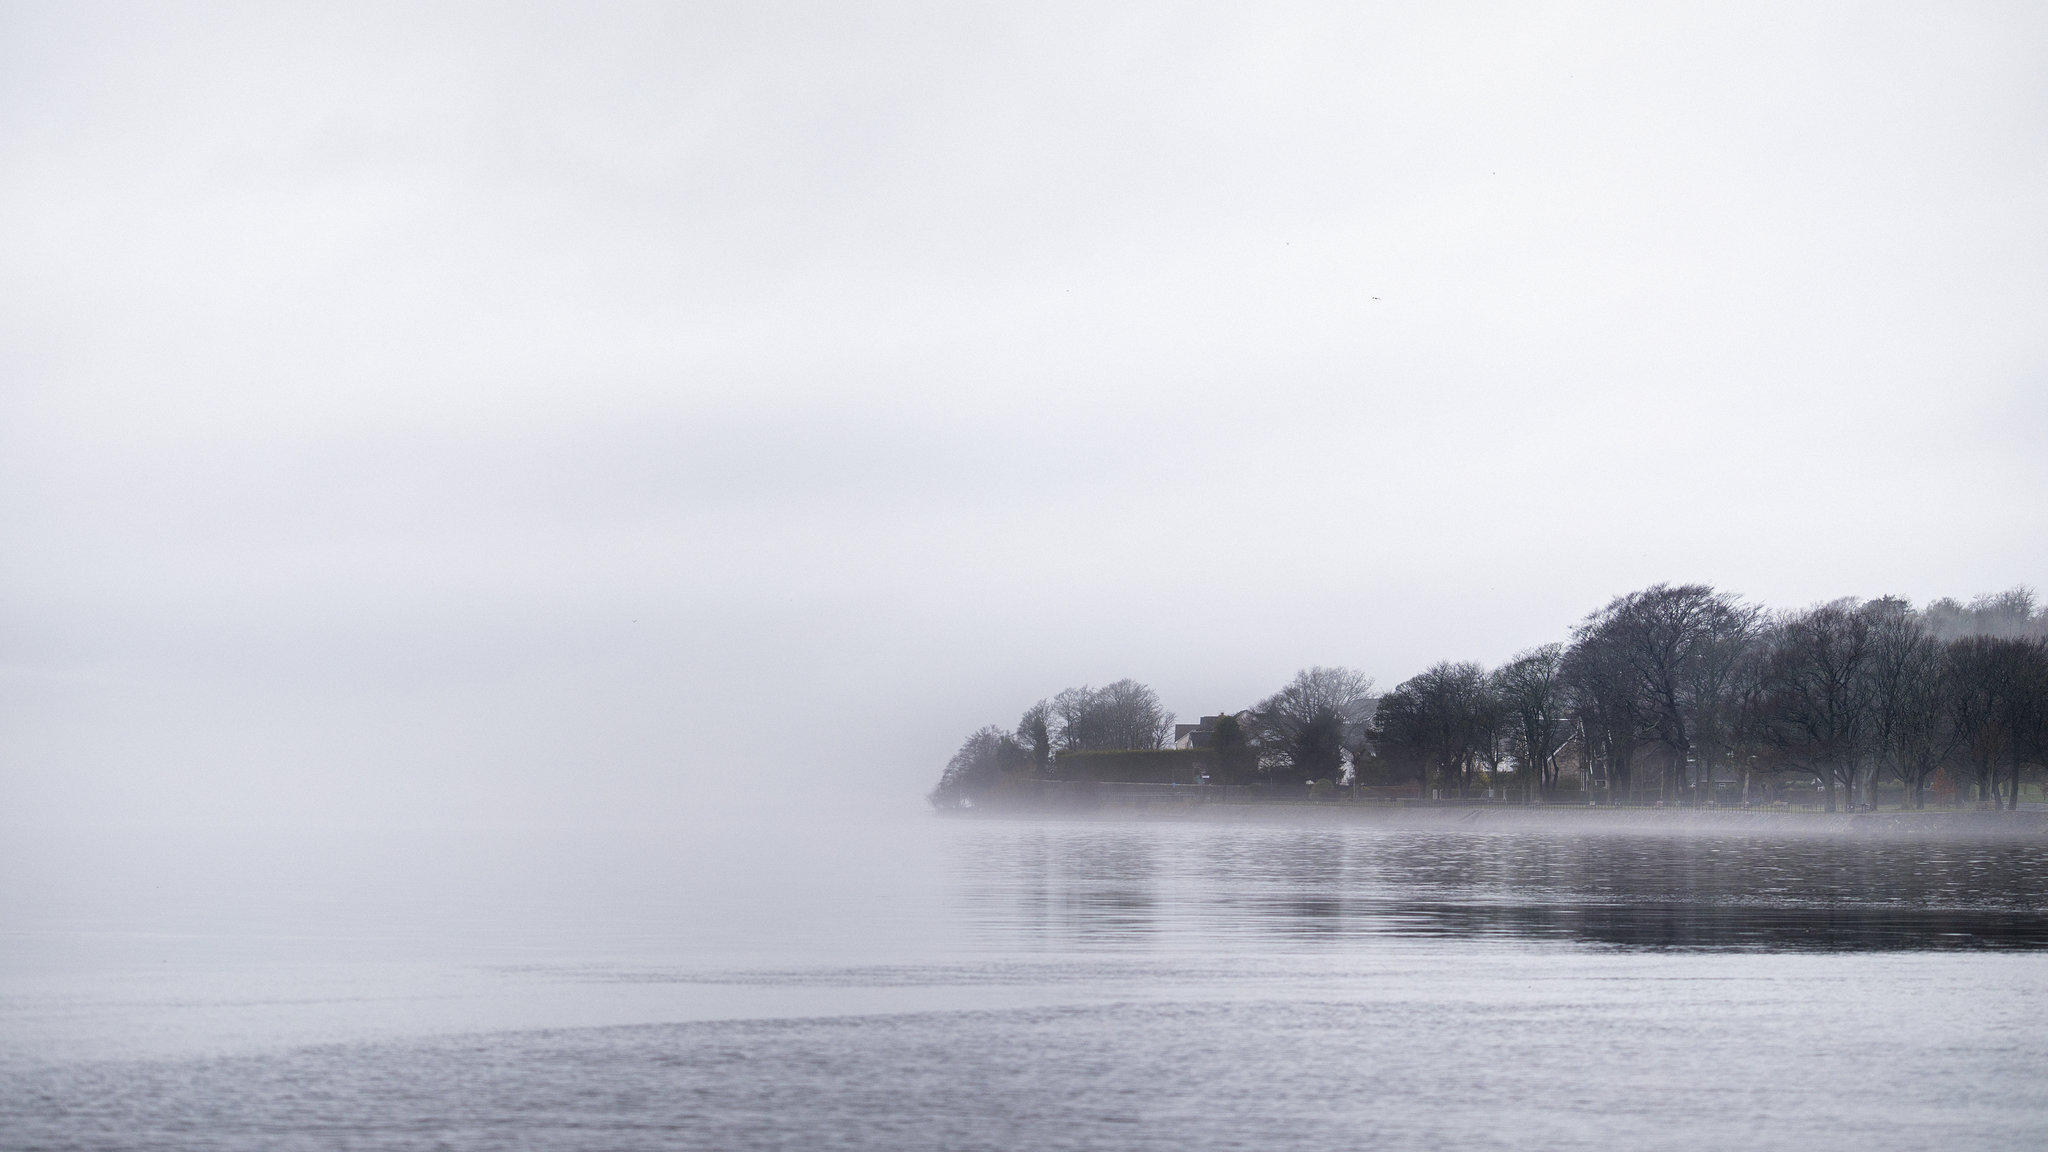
[[1483, 817]]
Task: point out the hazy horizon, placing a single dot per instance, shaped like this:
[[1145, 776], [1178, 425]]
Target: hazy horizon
[[649, 415]]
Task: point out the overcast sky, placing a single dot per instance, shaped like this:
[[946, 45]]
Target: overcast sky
[[505, 415]]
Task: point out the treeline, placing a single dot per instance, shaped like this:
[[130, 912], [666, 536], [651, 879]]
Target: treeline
[[1312, 724], [1122, 715], [1675, 693]]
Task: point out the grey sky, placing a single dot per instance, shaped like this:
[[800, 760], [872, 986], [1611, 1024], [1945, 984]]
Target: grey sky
[[525, 415]]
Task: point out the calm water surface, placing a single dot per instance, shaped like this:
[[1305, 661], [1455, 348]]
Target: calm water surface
[[954, 984]]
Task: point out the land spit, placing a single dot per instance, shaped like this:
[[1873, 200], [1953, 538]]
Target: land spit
[[1167, 802]]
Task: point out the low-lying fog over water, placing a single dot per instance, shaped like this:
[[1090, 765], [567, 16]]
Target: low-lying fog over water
[[507, 510], [978, 983]]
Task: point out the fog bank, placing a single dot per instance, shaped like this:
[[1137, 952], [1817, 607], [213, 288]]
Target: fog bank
[[445, 419]]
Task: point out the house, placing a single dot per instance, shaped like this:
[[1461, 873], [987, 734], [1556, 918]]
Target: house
[[1203, 735]]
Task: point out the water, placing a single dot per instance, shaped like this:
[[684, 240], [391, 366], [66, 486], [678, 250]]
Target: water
[[953, 984]]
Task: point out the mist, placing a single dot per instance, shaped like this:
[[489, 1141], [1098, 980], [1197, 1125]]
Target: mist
[[505, 512], [648, 416]]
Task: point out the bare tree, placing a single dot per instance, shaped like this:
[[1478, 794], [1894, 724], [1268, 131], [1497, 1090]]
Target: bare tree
[[1530, 688], [1680, 642], [1912, 730], [1493, 726], [2030, 713], [1715, 677], [1034, 731], [1996, 697], [1116, 716], [1433, 722], [1308, 725], [1751, 737], [1818, 693], [2009, 615], [1606, 707]]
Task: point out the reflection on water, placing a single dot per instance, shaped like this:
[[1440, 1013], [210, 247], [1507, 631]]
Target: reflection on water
[[971, 985], [1054, 886]]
